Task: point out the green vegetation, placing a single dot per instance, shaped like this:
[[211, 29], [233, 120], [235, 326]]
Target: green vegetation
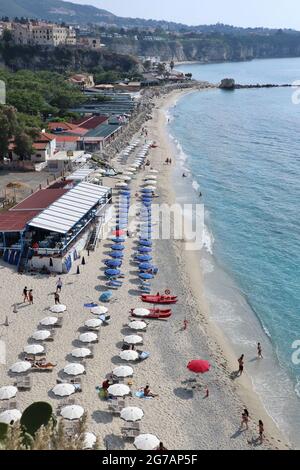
[[51, 436], [35, 416]]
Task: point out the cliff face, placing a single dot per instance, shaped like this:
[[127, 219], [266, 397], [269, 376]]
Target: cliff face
[[62, 59], [211, 49]]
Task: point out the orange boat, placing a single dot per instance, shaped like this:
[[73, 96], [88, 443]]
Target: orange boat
[[155, 314], [165, 299]]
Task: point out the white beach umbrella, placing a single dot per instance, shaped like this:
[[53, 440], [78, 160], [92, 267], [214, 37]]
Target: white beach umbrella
[[63, 390], [153, 171], [141, 312], [152, 188], [7, 392], [146, 442], [135, 165], [138, 325], [133, 339], [88, 337], [118, 390], [99, 310], [129, 355], [41, 335], [72, 412], [49, 321], [123, 371], [89, 440], [34, 349], [8, 416], [121, 185], [128, 173], [74, 369], [81, 352], [20, 367], [150, 177], [93, 323], [59, 308], [132, 413], [125, 178], [101, 171]]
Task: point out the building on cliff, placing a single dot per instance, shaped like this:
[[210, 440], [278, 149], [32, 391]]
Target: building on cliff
[[43, 34]]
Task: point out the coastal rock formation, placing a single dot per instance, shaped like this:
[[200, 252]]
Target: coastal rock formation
[[227, 84]]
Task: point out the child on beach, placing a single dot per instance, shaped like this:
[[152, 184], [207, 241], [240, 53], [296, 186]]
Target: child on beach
[[25, 294], [30, 297], [56, 298], [59, 285]]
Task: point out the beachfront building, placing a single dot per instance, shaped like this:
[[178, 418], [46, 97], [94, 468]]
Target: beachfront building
[[90, 42], [43, 147], [48, 230], [82, 80]]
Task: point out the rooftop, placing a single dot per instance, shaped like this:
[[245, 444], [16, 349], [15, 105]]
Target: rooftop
[[39, 200], [15, 221], [105, 130]]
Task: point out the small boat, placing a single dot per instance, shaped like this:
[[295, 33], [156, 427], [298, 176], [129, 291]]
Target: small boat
[[154, 314], [160, 299]]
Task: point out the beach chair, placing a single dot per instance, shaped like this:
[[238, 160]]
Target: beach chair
[[59, 322], [130, 433], [12, 405]]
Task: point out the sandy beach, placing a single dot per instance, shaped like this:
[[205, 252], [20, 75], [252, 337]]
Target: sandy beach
[[181, 420]]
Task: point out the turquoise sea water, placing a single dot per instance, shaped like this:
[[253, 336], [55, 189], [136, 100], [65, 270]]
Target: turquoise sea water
[[242, 150]]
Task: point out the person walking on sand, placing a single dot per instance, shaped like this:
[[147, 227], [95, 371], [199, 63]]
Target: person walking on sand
[[59, 285], [241, 365], [259, 351], [25, 294], [261, 431], [30, 297], [56, 298], [245, 419]]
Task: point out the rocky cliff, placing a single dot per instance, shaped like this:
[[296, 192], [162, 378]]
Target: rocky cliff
[[63, 59], [210, 48]]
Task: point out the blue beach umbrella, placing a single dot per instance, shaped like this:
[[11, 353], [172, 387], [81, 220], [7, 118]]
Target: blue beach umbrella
[[112, 272], [116, 254], [118, 240], [143, 242], [124, 193], [146, 190], [106, 296], [146, 276], [143, 258], [118, 247], [145, 266], [144, 249], [111, 263]]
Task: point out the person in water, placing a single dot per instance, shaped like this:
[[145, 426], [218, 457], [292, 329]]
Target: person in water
[[183, 175]]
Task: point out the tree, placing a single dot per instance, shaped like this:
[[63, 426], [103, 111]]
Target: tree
[[7, 36], [147, 65], [23, 146], [8, 127]]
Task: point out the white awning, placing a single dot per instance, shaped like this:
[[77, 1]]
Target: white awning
[[67, 211], [81, 174]]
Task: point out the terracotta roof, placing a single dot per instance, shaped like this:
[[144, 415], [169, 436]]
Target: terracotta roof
[[40, 145], [92, 122], [45, 137], [39, 200], [61, 125], [16, 221], [67, 138]]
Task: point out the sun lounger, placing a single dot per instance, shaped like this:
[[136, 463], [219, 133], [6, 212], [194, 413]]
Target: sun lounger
[[129, 433], [23, 383]]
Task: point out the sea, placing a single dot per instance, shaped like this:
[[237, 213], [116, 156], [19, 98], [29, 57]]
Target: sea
[[241, 150]]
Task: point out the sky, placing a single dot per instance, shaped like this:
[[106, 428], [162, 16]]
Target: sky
[[268, 13]]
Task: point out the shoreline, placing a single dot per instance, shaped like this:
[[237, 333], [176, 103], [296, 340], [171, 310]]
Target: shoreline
[[193, 272]]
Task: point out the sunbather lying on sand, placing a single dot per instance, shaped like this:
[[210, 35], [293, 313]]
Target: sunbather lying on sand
[[43, 365]]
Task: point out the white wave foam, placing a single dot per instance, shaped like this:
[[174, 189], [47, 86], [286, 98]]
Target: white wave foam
[[196, 186], [207, 266], [208, 240]]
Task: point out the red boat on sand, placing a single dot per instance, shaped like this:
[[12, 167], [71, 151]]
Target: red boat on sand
[[155, 314], [160, 299]]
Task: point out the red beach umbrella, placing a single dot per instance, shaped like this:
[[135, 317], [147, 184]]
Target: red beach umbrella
[[199, 367], [118, 233]]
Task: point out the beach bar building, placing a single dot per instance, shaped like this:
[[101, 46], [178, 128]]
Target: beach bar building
[[48, 230]]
